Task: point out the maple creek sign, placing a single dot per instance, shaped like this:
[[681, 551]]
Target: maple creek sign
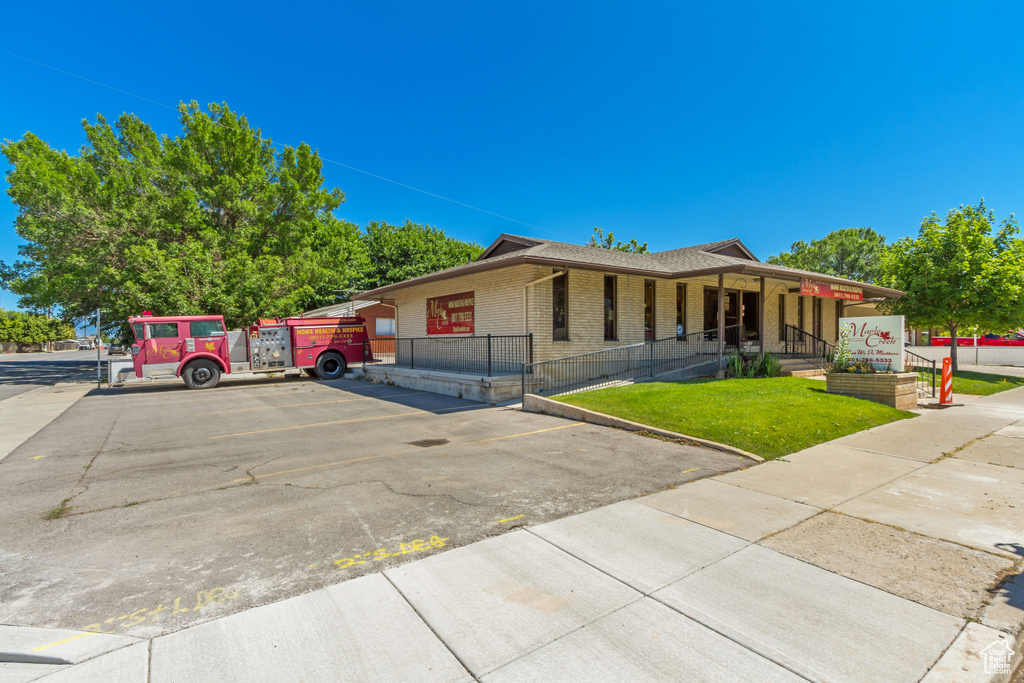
[[452, 314], [829, 290], [877, 340]]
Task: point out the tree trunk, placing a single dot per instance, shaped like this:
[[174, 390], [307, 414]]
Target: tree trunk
[[952, 345]]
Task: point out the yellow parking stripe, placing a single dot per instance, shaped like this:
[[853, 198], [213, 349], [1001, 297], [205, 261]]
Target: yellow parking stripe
[[539, 431], [296, 405], [320, 424]]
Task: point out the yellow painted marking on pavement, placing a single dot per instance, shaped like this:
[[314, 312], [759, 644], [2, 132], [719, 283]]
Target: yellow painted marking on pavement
[[296, 405], [693, 470], [539, 431], [38, 457], [510, 519], [321, 424], [66, 640], [385, 455]]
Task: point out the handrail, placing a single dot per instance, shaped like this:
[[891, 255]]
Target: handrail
[[620, 363], [807, 346], [928, 364]]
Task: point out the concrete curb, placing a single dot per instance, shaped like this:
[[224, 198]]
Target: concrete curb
[[537, 404]]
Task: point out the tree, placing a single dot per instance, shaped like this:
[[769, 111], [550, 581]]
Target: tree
[[30, 328], [602, 241], [400, 252], [854, 253], [958, 274], [217, 220]]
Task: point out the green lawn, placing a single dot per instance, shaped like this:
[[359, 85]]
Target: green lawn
[[769, 417], [979, 383]]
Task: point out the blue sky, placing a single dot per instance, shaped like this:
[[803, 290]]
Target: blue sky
[[675, 123]]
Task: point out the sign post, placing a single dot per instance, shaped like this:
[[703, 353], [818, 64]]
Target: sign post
[[99, 362], [946, 389]]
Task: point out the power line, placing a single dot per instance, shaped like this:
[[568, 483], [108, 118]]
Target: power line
[[330, 161]]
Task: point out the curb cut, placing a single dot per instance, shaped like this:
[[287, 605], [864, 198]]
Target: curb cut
[[537, 404]]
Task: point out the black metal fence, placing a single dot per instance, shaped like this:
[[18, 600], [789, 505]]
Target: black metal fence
[[805, 345], [484, 355], [926, 369], [620, 364]]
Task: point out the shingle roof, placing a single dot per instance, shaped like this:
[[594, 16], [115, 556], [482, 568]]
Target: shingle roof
[[674, 263]]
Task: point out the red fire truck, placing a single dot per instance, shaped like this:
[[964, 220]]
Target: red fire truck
[[198, 349]]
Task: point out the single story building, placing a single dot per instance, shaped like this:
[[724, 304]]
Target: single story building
[[576, 299], [379, 315]]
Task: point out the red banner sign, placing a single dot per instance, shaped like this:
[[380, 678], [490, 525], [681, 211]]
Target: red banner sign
[[452, 314], [831, 291]]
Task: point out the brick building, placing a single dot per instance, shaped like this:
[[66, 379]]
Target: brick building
[[576, 299]]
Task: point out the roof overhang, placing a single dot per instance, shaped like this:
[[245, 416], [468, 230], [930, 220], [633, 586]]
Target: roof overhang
[[754, 268]]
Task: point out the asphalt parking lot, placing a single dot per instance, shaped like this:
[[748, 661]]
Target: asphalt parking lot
[[146, 509]]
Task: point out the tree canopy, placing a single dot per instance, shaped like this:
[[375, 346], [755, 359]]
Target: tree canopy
[[854, 253], [400, 252], [216, 220], [958, 273], [602, 241], [30, 328]]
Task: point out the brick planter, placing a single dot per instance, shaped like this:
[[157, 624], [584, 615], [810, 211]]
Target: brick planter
[[898, 390]]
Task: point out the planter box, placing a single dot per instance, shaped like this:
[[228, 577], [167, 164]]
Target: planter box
[[898, 390]]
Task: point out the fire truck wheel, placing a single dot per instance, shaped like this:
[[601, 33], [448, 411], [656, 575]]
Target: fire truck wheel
[[309, 372], [330, 366], [201, 374]]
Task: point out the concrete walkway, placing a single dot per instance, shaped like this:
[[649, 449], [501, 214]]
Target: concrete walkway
[[876, 557]]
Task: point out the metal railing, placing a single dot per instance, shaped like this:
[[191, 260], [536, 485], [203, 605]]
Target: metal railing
[[488, 355], [619, 364], [803, 344], [926, 370]]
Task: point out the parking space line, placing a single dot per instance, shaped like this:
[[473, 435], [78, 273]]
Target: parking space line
[[296, 405], [389, 455], [338, 422], [539, 431], [320, 424]]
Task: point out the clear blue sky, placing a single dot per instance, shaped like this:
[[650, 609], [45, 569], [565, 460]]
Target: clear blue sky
[[675, 123]]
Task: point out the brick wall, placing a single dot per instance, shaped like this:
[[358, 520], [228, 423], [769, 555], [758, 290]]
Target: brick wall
[[499, 307]]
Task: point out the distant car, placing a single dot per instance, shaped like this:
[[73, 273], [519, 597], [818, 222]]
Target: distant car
[[116, 350], [84, 345]]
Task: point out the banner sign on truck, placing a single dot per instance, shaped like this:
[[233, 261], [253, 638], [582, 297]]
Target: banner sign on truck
[[877, 340], [829, 290], [452, 314]]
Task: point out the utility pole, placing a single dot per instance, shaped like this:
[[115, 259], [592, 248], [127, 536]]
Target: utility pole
[[99, 383]]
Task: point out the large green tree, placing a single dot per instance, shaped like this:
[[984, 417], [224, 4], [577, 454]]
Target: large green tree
[[216, 220], [854, 253], [400, 252], [959, 272], [603, 241]]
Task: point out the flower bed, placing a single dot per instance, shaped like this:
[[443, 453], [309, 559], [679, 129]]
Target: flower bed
[[898, 390]]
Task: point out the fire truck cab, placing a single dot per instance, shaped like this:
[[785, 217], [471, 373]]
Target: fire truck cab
[[200, 350]]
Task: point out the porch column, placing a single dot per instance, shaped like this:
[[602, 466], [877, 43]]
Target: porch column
[[721, 326], [760, 316]]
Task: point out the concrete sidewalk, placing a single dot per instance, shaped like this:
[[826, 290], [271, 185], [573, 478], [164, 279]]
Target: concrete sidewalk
[[876, 557]]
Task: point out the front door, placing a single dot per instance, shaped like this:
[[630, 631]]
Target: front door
[[163, 348]]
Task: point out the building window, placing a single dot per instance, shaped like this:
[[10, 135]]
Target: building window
[[681, 306], [560, 307], [610, 318], [782, 317], [385, 327], [648, 310], [800, 312]]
